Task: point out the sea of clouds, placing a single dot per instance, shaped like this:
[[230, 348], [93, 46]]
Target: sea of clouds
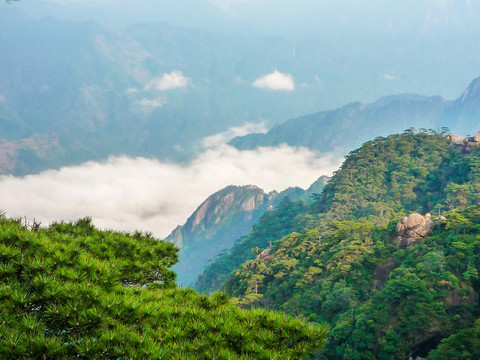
[[131, 194]]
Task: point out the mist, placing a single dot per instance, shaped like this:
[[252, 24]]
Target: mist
[[149, 195]]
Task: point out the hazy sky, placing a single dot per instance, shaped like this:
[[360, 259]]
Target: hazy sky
[[288, 16]]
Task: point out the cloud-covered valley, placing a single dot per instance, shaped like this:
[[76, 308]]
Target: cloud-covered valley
[[149, 195]]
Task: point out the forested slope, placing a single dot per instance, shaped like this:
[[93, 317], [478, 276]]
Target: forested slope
[[385, 293], [273, 225]]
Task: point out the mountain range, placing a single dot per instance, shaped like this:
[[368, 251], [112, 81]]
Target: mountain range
[[338, 130], [346, 128], [379, 261], [97, 89]]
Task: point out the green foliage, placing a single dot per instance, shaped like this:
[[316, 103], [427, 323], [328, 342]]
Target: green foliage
[[387, 175], [271, 226], [463, 345], [72, 291], [344, 267]]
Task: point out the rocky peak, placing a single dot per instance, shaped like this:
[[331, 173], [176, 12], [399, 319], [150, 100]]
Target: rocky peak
[[224, 204], [472, 93], [222, 219]]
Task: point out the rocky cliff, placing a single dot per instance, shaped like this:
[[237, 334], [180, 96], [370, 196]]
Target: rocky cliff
[[220, 220]]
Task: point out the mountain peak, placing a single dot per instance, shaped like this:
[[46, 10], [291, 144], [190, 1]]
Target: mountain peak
[[472, 93]]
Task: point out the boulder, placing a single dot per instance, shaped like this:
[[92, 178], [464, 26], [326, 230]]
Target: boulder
[[265, 254], [414, 220], [411, 229], [476, 138], [456, 140]]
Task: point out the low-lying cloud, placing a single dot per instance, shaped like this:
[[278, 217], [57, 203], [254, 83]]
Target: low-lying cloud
[[224, 137], [173, 80], [149, 195], [275, 81]]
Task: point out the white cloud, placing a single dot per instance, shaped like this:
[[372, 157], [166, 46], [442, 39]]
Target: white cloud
[[275, 81], [153, 103], [131, 90], [173, 80], [223, 138], [136, 193], [388, 77]]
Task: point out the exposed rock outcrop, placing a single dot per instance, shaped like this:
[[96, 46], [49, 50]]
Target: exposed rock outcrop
[[223, 218], [411, 229], [465, 143], [265, 254]]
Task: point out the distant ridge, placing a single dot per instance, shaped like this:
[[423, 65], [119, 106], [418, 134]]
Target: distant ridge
[[347, 127]]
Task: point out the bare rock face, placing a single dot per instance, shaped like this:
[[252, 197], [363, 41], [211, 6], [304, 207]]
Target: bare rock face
[[456, 140], [265, 254], [476, 138], [411, 229], [465, 143]]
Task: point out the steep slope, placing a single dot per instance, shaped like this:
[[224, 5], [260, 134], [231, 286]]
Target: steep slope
[[465, 111], [73, 97], [221, 219], [389, 286], [273, 225], [93, 92]]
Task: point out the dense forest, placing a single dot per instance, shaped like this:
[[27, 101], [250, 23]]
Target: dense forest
[[348, 259], [273, 225], [72, 291]]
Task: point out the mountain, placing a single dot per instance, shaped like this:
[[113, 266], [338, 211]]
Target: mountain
[[156, 89], [348, 127], [387, 255], [465, 111], [221, 219], [69, 105], [152, 90], [271, 226]]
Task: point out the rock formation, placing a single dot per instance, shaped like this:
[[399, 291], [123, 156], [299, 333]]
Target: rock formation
[[465, 143], [265, 254], [411, 229]]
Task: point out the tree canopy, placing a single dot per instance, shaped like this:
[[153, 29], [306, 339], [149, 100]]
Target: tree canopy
[[72, 291]]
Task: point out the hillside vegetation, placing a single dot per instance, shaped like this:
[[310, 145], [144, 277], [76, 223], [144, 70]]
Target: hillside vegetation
[[72, 291], [273, 225], [348, 264]]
